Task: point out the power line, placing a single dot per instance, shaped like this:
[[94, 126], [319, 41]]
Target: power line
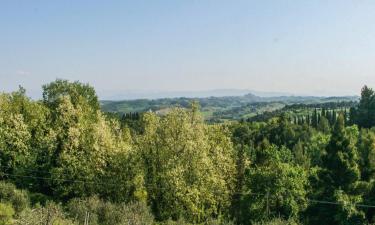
[[57, 179], [92, 182], [338, 203], [163, 188], [36, 171]]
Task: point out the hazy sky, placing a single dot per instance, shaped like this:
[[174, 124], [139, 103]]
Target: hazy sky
[[302, 47]]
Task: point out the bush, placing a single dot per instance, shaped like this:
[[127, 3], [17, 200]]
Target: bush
[[6, 214], [51, 214], [136, 213], [38, 198], [77, 209], [208, 222], [278, 221], [219, 222], [103, 212], [17, 198]]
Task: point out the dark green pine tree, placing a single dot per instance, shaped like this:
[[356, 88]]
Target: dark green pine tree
[[329, 117], [324, 112], [315, 119], [341, 158], [365, 114], [336, 180], [352, 115]]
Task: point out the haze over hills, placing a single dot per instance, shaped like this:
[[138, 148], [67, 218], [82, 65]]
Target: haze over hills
[[221, 107], [155, 94], [120, 95]]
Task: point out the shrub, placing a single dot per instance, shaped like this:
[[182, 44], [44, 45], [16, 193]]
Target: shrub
[[278, 221], [107, 213], [17, 198], [51, 214], [6, 214]]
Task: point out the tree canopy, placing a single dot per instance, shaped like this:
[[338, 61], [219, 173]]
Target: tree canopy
[[65, 156]]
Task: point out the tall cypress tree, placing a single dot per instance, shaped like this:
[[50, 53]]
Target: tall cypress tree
[[324, 112], [341, 157], [315, 119]]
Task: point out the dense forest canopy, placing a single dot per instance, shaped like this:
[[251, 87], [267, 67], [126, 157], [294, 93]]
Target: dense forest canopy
[[65, 161]]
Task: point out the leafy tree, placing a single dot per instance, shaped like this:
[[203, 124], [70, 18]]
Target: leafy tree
[[275, 188], [189, 167], [366, 149], [14, 137], [85, 143], [80, 94], [242, 138], [26, 139], [315, 148], [17, 199], [301, 157], [323, 125]]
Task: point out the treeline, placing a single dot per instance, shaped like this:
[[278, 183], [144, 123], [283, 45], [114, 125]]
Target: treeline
[[304, 113], [69, 163]]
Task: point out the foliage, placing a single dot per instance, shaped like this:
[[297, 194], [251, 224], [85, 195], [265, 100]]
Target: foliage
[[189, 166], [51, 214], [18, 199], [6, 214], [64, 161], [220, 109], [277, 221], [103, 212], [364, 114], [275, 189]]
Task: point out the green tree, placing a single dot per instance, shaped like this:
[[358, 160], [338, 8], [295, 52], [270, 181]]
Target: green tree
[[337, 179], [26, 139], [315, 118], [87, 145], [364, 116], [189, 167], [366, 149], [300, 155], [242, 138], [274, 187], [323, 125], [80, 94]]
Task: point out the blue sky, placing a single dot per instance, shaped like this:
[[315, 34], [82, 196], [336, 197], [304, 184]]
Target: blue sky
[[302, 47]]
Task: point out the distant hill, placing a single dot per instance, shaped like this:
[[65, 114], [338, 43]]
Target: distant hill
[[138, 94], [230, 107]]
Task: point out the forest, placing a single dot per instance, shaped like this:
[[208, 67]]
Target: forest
[[64, 160]]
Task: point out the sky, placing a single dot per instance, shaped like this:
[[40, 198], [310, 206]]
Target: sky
[[306, 47]]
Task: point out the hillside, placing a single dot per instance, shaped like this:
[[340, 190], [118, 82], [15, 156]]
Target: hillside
[[220, 108]]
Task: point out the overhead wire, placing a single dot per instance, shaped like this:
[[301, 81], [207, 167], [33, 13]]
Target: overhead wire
[[116, 184]]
